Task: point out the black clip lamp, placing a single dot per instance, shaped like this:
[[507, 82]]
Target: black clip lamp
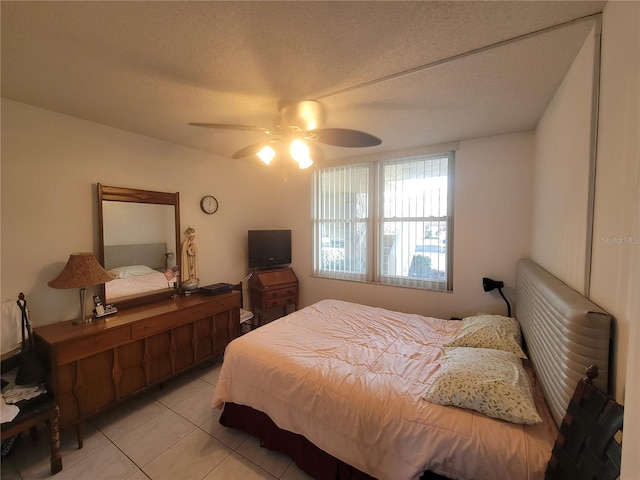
[[489, 285]]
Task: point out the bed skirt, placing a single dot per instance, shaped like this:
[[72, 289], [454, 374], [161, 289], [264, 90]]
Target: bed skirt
[[309, 458]]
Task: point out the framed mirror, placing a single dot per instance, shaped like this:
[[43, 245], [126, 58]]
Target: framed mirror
[[139, 233]]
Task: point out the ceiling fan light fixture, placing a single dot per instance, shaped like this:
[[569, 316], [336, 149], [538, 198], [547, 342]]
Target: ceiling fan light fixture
[[266, 154], [299, 151], [297, 123], [301, 115], [305, 163]]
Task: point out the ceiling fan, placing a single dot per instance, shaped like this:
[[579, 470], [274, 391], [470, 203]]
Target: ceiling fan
[[295, 131]]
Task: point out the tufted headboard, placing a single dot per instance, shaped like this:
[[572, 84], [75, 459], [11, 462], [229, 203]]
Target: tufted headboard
[[564, 333]]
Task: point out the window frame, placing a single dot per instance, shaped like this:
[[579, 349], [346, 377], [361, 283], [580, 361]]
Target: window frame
[[375, 220]]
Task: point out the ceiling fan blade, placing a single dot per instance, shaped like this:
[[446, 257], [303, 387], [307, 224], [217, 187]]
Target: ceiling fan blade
[[250, 150], [230, 126], [344, 137]]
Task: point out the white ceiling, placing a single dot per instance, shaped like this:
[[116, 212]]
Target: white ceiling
[[382, 67]]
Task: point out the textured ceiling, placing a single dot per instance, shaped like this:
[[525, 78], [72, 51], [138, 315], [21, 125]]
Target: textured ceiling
[[411, 73]]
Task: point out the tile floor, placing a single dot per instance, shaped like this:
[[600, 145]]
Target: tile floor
[[168, 433]]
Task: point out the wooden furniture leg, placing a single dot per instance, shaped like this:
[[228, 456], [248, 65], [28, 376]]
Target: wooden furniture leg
[[46, 413], [33, 433], [80, 435], [54, 442]]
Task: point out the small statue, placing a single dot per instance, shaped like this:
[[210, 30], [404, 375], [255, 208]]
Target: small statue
[[190, 280]]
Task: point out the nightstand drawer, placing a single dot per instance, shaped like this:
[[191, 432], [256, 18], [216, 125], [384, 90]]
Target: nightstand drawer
[[86, 347]]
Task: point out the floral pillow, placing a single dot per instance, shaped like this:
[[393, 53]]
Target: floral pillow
[[492, 382], [490, 331]]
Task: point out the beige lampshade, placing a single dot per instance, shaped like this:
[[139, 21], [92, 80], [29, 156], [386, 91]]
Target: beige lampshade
[[82, 270]]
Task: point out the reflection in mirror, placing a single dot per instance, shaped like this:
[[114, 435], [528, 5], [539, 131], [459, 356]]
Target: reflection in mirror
[[139, 241]]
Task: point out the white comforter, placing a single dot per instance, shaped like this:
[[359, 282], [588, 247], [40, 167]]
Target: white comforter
[[124, 288], [350, 378]]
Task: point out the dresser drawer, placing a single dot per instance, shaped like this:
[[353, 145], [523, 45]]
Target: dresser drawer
[[150, 326], [85, 347], [281, 292], [280, 301], [221, 304]]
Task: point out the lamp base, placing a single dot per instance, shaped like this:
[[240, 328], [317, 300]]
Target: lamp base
[[83, 309]]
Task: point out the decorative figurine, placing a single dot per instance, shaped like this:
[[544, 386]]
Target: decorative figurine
[[190, 280]]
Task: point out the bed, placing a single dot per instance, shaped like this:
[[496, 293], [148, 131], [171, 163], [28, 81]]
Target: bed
[[138, 269], [341, 387]]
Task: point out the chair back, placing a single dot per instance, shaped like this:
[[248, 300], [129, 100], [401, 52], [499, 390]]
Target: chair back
[[588, 443]]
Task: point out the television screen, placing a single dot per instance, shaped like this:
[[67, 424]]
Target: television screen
[[269, 248]]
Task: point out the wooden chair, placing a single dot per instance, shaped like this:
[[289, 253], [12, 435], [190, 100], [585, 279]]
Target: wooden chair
[[29, 418], [588, 446], [247, 318], [41, 409]]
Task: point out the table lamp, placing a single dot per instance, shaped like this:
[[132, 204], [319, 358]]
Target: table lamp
[[81, 271]]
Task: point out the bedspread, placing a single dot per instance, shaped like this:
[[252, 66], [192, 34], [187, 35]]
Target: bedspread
[[123, 288], [350, 378]]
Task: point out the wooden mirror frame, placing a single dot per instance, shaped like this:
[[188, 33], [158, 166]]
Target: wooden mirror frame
[[132, 195]]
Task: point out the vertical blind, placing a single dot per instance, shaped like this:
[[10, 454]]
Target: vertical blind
[[414, 218], [342, 221], [386, 222]]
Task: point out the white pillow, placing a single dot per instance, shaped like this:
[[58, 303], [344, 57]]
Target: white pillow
[[131, 271], [492, 382], [490, 331]]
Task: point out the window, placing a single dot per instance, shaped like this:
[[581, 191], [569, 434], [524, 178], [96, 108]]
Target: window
[[406, 241]]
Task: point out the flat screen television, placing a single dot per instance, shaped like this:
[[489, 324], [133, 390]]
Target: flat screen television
[[269, 248]]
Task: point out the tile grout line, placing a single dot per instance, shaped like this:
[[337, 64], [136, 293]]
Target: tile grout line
[[230, 450]]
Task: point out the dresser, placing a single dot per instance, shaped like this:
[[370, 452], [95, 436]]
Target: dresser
[[271, 289], [95, 365]]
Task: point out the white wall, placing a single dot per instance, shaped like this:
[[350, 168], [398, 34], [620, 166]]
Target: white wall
[[561, 175], [615, 274], [492, 219]]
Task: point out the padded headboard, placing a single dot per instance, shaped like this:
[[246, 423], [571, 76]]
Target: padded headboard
[[150, 254], [564, 333]]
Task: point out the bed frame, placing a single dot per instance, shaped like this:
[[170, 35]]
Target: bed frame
[[564, 333]]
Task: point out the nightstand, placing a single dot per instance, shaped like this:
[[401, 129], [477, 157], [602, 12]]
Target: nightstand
[[271, 289]]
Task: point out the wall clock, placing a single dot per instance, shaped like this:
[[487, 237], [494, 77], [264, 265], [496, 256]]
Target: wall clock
[[209, 204]]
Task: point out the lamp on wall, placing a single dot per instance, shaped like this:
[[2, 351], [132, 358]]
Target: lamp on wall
[[489, 284], [81, 271]]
